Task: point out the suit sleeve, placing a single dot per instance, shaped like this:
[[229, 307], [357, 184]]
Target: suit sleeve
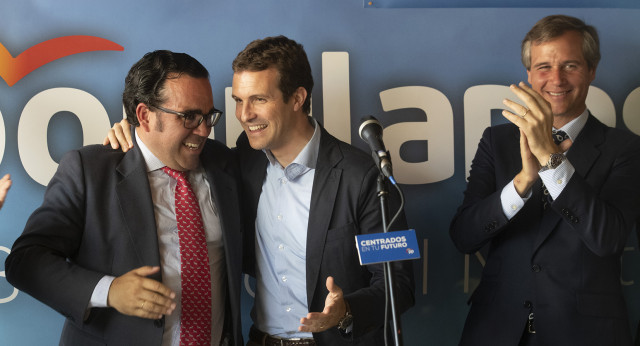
[[600, 202], [367, 304], [603, 206], [480, 217], [41, 261]]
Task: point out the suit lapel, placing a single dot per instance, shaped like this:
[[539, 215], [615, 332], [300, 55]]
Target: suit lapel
[[222, 186], [225, 199], [253, 169], [323, 195], [134, 196], [582, 155], [584, 151]]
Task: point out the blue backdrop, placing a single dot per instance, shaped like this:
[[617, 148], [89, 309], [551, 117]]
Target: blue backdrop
[[433, 76]]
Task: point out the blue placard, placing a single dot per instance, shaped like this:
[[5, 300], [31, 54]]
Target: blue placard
[[387, 247]]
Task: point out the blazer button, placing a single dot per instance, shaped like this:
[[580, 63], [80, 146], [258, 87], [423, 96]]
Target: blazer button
[[527, 304], [490, 226], [536, 268], [565, 211], [158, 323]]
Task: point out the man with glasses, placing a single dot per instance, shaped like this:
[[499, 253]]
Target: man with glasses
[[143, 247], [305, 196]]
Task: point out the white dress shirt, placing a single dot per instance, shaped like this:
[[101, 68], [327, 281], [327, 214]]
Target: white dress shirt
[[163, 196]]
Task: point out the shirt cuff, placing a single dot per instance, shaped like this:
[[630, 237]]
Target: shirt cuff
[[511, 200], [101, 293], [556, 179]]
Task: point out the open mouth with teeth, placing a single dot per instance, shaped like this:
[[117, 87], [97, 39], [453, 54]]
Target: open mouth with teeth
[[558, 93], [257, 127], [192, 146]]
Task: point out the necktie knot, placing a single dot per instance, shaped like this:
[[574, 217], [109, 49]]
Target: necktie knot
[[559, 136], [178, 175]]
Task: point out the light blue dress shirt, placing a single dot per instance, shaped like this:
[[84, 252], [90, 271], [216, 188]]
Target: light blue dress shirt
[[554, 179], [281, 242]]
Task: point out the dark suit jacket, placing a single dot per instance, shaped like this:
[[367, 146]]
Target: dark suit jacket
[[564, 263], [97, 218], [637, 343], [343, 204]]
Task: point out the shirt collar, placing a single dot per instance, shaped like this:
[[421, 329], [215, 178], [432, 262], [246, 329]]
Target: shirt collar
[[306, 159], [576, 125], [151, 161]]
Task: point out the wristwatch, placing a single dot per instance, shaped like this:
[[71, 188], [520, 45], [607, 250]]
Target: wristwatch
[[346, 320], [555, 160]]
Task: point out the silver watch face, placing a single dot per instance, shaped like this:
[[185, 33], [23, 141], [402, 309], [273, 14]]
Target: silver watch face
[[555, 160], [346, 321]]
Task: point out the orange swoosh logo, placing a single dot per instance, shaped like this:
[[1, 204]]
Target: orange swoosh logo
[[13, 69]]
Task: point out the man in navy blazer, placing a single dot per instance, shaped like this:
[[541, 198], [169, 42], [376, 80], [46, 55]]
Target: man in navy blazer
[[552, 274], [306, 196], [102, 250]]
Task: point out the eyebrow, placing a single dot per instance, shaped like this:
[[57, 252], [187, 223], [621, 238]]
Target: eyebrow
[[262, 96], [194, 110], [253, 96], [563, 63]]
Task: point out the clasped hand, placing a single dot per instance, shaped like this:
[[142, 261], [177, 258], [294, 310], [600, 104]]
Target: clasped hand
[[535, 121]]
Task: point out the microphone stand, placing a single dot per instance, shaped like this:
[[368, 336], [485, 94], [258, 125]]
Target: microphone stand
[[388, 269]]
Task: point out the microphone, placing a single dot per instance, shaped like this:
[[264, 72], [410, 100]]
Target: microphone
[[371, 132]]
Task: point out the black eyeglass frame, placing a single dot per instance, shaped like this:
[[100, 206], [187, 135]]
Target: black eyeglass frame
[[214, 116]]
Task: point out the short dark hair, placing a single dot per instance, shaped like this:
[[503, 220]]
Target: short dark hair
[[287, 57], [146, 79], [551, 27]]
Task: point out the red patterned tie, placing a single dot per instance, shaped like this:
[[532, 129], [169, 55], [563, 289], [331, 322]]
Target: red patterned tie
[[195, 321]]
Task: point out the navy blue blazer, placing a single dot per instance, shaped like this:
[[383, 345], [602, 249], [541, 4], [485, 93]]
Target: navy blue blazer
[[343, 204], [97, 218], [563, 264]]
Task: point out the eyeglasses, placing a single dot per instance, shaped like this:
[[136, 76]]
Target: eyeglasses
[[193, 119]]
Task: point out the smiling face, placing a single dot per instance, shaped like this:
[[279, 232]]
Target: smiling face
[[270, 122], [559, 72], [164, 133]]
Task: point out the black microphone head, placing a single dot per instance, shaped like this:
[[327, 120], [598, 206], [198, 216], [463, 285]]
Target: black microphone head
[[371, 132], [369, 121]]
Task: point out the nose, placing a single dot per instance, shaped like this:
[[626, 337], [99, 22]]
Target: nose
[[557, 75], [202, 130], [244, 112]]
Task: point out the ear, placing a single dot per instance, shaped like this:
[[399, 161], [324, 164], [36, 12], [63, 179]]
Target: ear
[[143, 113], [529, 76], [299, 96]]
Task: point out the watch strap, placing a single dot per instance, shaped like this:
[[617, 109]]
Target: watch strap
[[347, 320]]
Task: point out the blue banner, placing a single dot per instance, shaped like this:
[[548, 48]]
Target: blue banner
[[387, 247], [435, 78]]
